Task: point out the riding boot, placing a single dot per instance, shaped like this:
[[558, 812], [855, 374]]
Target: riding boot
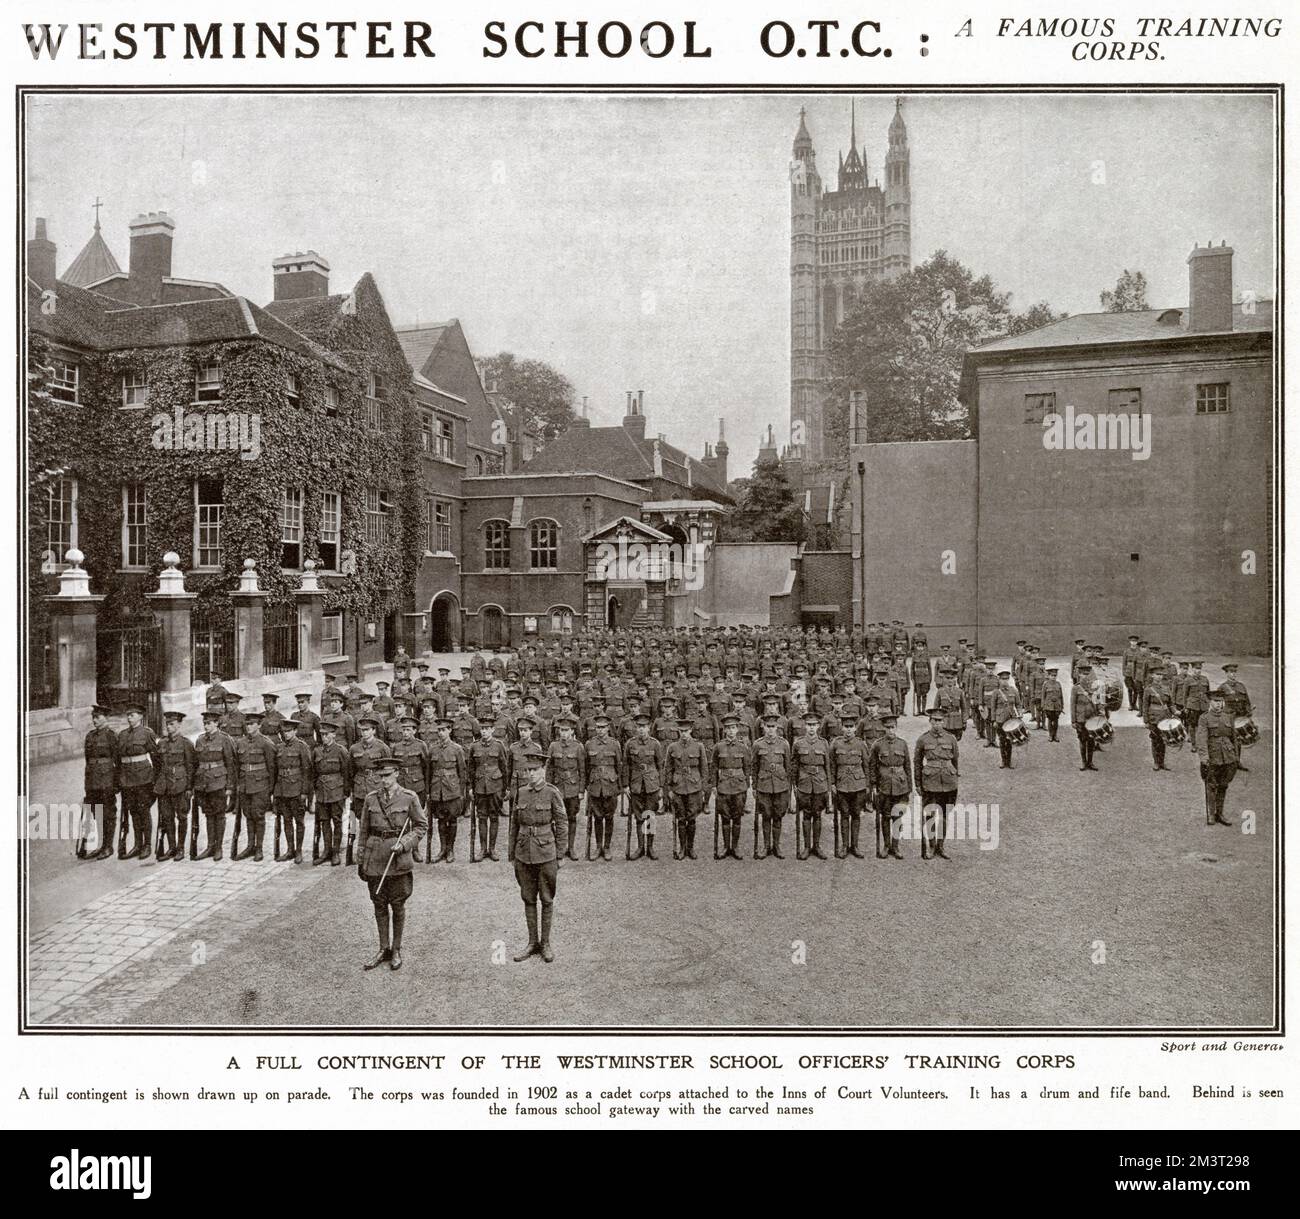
[[399, 921], [569, 851], [428, 841], [493, 825], [882, 834], [854, 829], [817, 835], [530, 917], [110, 824], [216, 835], [690, 837], [449, 853], [286, 823], [326, 843], [166, 834], [250, 844], [607, 832], [182, 825], [894, 848], [776, 837], [381, 923], [640, 842], [259, 832], [650, 843], [299, 833], [483, 837], [144, 834], [767, 834], [545, 947]]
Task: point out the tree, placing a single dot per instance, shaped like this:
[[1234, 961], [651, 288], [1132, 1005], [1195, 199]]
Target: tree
[[1130, 293], [769, 511], [544, 395], [1041, 314], [903, 344]]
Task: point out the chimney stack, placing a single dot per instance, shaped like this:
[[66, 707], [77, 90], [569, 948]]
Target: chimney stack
[[720, 455], [634, 420], [300, 276], [151, 255], [1210, 301], [581, 420], [40, 256]]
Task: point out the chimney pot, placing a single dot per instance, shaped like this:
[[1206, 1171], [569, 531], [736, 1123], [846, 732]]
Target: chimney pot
[[1210, 288], [300, 276], [41, 254], [151, 255]]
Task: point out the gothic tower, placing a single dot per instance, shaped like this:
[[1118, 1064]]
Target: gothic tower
[[840, 240]]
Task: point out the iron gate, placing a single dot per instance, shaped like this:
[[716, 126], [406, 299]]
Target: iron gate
[[212, 645], [280, 638], [129, 668]]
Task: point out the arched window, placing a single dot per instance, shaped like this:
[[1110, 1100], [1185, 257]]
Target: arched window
[[543, 545], [496, 546], [478, 463], [561, 620]]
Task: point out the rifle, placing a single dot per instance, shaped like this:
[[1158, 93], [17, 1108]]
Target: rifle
[[716, 827], [80, 850], [798, 825], [757, 818], [627, 812], [588, 848], [239, 821], [193, 815], [316, 834], [121, 831], [510, 831], [279, 820], [469, 802], [672, 813], [158, 841], [926, 850], [352, 828]]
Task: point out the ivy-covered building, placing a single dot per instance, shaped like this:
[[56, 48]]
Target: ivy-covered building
[[171, 415]]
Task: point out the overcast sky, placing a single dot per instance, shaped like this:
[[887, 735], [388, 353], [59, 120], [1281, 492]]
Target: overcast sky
[[643, 242]]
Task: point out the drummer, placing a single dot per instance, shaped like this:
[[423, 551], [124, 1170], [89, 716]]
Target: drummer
[[1157, 705], [1236, 700]]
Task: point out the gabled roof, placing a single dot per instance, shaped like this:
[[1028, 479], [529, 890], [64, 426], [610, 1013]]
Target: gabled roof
[[95, 262], [418, 342], [631, 525], [442, 353], [615, 451]]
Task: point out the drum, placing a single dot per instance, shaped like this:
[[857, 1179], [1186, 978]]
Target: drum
[[1114, 692], [1015, 731], [1172, 730], [1246, 729], [1098, 727]]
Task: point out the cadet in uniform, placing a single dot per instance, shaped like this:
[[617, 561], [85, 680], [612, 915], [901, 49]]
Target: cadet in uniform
[[769, 764], [173, 786], [100, 780], [686, 778], [810, 778], [1083, 708], [412, 755], [891, 780], [1216, 741], [256, 757], [935, 765], [293, 787], [332, 768], [643, 782], [604, 771], [1005, 706], [391, 823], [537, 826], [365, 755], [489, 768], [566, 770], [849, 764], [1053, 701], [1236, 701], [731, 775], [137, 766], [448, 783], [1196, 699], [1156, 706], [216, 772]]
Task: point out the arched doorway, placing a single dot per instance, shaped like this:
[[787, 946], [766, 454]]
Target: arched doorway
[[612, 606], [493, 626], [444, 623]]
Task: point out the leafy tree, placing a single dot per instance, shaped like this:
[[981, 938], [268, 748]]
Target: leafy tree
[[544, 395], [1130, 293], [903, 344], [769, 510]]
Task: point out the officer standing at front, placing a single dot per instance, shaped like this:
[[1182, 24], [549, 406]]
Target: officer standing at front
[[731, 774], [1216, 742], [935, 766], [537, 827], [100, 780], [391, 823], [891, 780]]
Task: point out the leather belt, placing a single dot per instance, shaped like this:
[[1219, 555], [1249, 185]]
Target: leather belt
[[137, 757]]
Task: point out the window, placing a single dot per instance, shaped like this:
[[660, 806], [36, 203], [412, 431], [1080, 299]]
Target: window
[[562, 621], [496, 546], [376, 415], [135, 541], [292, 388], [378, 511], [135, 389], [1213, 399], [331, 634], [1124, 401], [61, 520], [331, 521], [443, 434], [208, 510], [543, 545], [1039, 406], [331, 399], [207, 383], [426, 431], [441, 527], [478, 463], [291, 528], [378, 387], [64, 381]]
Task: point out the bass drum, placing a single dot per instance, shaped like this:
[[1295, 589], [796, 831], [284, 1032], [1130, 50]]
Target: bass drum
[[1098, 727], [1175, 735]]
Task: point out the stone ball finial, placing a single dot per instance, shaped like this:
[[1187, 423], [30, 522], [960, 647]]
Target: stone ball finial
[[250, 564], [171, 559], [74, 556]]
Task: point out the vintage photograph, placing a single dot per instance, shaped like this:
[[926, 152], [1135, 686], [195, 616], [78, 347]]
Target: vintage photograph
[[659, 560]]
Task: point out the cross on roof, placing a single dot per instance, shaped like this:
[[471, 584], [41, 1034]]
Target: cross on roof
[[97, 205]]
